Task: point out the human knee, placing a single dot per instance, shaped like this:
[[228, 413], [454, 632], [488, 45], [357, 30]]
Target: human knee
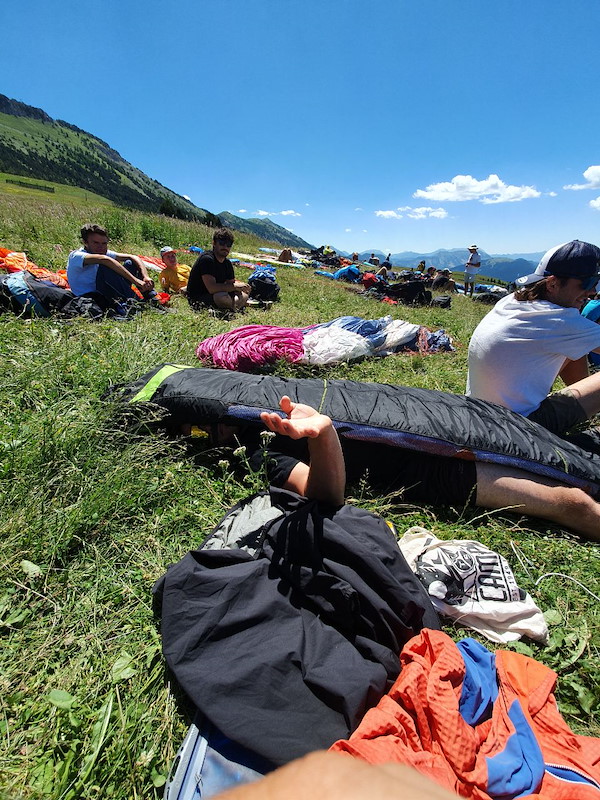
[[223, 300], [575, 501]]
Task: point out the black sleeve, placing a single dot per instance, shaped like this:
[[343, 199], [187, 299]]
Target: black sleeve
[[279, 459], [196, 287]]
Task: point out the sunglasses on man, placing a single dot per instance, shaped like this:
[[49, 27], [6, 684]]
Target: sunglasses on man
[[587, 284]]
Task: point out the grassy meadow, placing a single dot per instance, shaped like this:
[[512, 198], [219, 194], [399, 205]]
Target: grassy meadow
[[94, 508]]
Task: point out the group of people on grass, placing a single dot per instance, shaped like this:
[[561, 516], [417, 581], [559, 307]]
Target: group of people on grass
[[108, 277]]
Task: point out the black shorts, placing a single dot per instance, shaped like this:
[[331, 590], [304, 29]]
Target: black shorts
[[201, 302], [559, 413]]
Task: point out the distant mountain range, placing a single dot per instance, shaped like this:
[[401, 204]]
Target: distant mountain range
[[34, 145]]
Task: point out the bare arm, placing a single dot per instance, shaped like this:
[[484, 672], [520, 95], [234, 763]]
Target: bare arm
[[324, 478], [573, 371], [339, 777], [111, 263], [228, 286], [139, 264]]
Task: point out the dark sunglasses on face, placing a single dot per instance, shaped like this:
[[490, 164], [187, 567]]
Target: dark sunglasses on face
[[587, 284]]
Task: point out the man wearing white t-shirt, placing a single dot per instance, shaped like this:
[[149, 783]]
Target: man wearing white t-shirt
[[471, 269], [532, 336], [95, 271]]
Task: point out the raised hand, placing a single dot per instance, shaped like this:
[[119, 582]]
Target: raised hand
[[301, 421]]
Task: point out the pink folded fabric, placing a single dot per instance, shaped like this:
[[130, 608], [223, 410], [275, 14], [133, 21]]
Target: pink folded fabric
[[252, 345]]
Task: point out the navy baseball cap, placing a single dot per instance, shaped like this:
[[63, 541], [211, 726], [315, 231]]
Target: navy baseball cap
[[570, 260]]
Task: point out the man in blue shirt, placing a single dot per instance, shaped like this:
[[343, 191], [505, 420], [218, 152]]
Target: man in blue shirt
[[95, 271]]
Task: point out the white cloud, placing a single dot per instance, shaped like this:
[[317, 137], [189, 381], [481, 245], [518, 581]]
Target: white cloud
[[426, 211], [552, 194], [466, 187], [595, 204], [592, 176], [422, 212], [365, 230], [347, 230], [242, 211], [388, 214], [307, 204], [358, 209], [289, 213], [186, 197]]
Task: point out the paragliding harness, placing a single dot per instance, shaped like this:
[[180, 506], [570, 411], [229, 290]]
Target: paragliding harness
[[442, 301], [263, 284], [410, 293]]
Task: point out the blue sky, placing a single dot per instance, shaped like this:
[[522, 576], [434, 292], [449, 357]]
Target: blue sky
[[390, 124]]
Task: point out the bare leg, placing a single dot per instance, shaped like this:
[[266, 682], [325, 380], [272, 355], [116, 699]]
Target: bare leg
[[499, 487], [240, 299], [223, 300]]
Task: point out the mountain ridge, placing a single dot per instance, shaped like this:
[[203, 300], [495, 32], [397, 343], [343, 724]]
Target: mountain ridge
[[34, 145], [265, 228]]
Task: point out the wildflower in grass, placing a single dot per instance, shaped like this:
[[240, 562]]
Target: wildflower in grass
[[240, 452]]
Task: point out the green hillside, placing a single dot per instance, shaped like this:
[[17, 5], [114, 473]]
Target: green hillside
[[57, 154], [34, 145], [47, 228]]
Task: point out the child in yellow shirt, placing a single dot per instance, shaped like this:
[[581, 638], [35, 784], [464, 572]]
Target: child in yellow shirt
[[173, 277]]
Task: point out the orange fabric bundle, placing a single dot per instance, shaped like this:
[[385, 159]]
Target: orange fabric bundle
[[18, 262]]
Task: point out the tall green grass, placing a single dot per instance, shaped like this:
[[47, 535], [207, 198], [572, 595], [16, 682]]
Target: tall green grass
[[48, 229], [94, 506]]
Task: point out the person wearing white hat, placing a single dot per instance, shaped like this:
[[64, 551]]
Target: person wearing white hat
[[532, 336], [471, 269], [173, 276]]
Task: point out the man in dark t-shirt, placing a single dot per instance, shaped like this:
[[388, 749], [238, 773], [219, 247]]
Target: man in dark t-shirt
[[212, 281]]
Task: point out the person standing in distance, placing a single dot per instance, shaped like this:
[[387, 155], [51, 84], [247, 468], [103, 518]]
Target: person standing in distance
[[471, 269]]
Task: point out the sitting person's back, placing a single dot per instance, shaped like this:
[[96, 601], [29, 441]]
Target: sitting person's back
[[532, 336], [443, 281]]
